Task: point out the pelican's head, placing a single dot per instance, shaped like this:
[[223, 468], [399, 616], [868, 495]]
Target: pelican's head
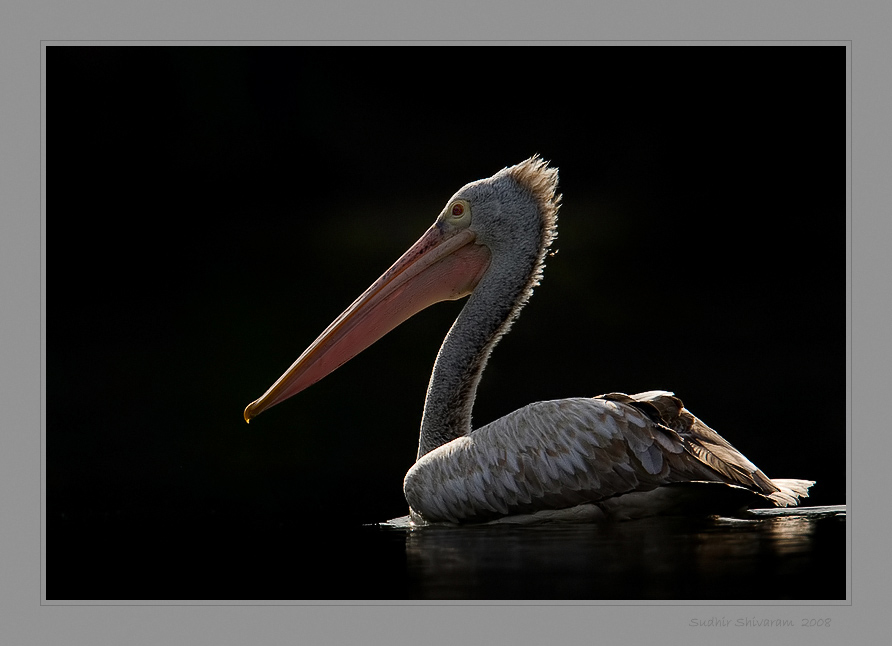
[[514, 206], [510, 215]]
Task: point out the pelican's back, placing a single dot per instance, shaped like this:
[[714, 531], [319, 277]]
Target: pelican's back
[[610, 456]]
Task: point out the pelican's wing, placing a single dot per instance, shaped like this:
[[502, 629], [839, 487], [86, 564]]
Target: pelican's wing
[[700, 441], [712, 449], [563, 453]]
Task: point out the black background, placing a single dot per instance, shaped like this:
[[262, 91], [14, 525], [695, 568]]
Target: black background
[[211, 210]]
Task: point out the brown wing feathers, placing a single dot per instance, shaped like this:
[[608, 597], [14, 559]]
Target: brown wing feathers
[[668, 414]]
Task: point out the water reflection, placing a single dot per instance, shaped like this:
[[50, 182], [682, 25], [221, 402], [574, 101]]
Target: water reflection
[[792, 555]]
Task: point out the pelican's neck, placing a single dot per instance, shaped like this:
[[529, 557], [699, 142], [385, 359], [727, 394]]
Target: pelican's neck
[[488, 314], [520, 207]]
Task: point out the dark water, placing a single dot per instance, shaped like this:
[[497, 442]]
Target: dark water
[[798, 554], [768, 556]]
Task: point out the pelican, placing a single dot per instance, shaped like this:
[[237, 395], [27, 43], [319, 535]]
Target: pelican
[[582, 459]]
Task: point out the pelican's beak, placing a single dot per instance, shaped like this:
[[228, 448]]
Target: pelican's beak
[[444, 264]]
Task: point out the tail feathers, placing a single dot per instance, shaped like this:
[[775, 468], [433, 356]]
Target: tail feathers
[[790, 491]]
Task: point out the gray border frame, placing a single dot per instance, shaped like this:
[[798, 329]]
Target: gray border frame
[[27, 622]]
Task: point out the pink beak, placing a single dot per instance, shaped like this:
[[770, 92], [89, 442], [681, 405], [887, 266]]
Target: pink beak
[[443, 265]]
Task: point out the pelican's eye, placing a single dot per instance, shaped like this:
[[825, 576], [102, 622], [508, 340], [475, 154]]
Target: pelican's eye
[[458, 213]]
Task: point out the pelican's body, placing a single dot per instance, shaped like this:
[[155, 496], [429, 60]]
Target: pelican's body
[[613, 456]]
